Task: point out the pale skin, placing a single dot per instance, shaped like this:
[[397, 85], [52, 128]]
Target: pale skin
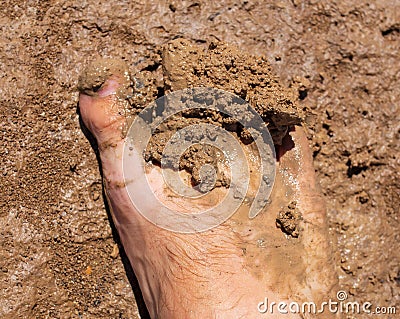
[[222, 272]]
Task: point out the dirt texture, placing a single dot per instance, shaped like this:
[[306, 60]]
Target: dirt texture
[[59, 255]]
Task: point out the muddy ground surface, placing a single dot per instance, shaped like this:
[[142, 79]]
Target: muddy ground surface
[[59, 255]]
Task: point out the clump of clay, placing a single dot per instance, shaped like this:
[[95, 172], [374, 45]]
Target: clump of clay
[[288, 220], [225, 67], [221, 66], [192, 160], [201, 153]]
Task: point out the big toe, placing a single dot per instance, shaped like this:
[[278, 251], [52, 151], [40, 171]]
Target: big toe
[[104, 87]]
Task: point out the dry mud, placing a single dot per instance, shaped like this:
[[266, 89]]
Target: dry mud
[[59, 255]]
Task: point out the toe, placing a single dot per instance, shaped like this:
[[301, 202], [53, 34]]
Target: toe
[[321, 275], [104, 87], [297, 162]]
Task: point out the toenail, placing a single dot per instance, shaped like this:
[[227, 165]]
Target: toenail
[[103, 77]]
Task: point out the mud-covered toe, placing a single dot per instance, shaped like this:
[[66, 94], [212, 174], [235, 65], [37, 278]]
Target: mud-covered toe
[[104, 86]]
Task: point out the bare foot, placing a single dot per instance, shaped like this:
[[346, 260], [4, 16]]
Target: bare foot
[[283, 254]]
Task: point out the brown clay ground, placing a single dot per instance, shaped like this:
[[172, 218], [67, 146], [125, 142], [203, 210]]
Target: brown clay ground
[[58, 257]]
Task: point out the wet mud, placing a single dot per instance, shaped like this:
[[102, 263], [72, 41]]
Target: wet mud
[[185, 65], [225, 67], [288, 219], [59, 256]]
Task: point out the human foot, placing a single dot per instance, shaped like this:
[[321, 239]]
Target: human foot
[[226, 271]]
